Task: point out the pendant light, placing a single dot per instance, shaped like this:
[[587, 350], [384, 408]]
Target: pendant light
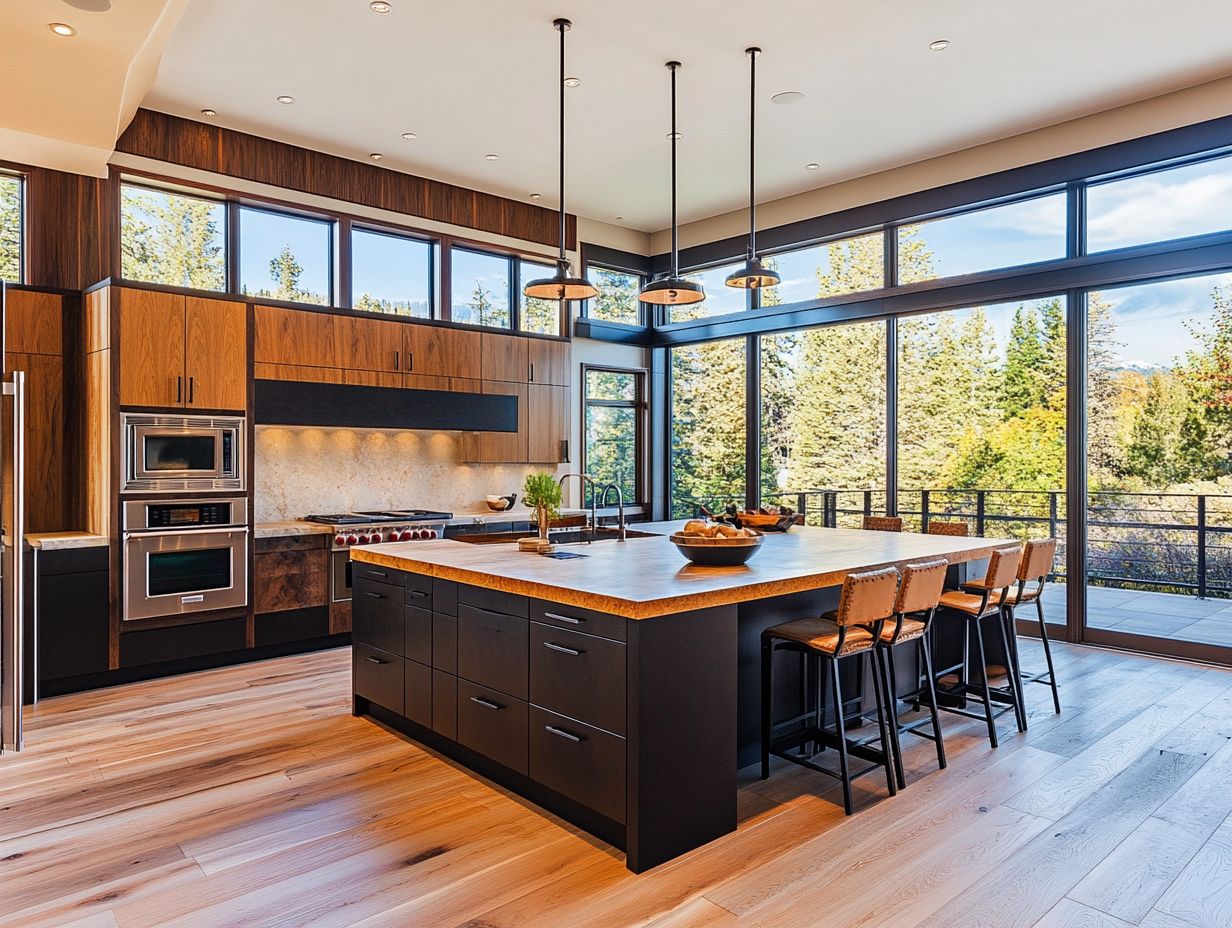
[[752, 275], [561, 286], [673, 290]]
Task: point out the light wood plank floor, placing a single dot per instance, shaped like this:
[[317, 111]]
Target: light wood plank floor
[[250, 796]]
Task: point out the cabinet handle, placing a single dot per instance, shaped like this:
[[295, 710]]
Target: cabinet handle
[[563, 618], [486, 703], [374, 595], [564, 451], [190, 389], [179, 389], [561, 733], [410, 360], [397, 360], [376, 573], [532, 371], [376, 660], [562, 649], [418, 594]]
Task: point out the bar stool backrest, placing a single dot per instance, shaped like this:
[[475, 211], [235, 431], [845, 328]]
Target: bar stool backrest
[[958, 529], [922, 584], [883, 524], [868, 597], [1003, 568], [1037, 560]]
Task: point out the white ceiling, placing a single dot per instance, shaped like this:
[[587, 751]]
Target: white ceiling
[[479, 76]]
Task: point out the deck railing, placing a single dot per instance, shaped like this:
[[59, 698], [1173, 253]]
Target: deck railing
[[1168, 542]]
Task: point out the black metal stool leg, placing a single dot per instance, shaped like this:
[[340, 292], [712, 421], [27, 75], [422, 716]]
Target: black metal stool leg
[[926, 658], [887, 677], [1009, 641], [841, 732], [767, 663], [822, 686], [1052, 674], [979, 644], [884, 727]]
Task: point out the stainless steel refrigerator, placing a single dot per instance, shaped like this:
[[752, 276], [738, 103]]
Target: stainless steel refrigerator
[[13, 529]]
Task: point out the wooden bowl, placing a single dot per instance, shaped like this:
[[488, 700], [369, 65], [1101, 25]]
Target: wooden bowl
[[716, 552]]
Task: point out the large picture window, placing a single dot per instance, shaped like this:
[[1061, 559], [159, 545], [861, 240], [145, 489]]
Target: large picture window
[[11, 190], [391, 273], [172, 238], [708, 429], [286, 257], [613, 404]]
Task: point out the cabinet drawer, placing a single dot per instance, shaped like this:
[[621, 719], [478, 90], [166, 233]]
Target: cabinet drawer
[[417, 693], [492, 650], [445, 704], [444, 596], [580, 676], [363, 571], [493, 600], [575, 760], [377, 676], [445, 642], [418, 590], [377, 615], [493, 725], [418, 634], [579, 620]]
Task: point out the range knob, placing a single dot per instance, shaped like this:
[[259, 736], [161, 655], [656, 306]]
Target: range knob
[[430, 533], [406, 535], [352, 540], [340, 540]]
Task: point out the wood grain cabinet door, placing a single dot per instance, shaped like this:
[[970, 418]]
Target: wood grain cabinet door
[[216, 354], [369, 344], [46, 506], [505, 357], [151, 348], [548, 423], [294, 336], [549, 362], [443, 352], [500, 447], [34, 323]]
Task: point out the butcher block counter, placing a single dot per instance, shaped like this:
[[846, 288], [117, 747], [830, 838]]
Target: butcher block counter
[[620, 689]]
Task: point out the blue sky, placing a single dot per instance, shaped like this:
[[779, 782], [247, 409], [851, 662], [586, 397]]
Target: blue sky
[[262, 236]]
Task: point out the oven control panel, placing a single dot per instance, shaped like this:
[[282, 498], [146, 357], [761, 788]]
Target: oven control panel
[[173, 515]]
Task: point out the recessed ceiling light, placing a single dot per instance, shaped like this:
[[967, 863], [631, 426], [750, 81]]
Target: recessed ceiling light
[[787, 96], [209, 113], [380, 6], [573, 81], [675, 135], [812, 166], [536, 196], [90, 6], [940, 45], [620, 218], [286, 100], [63, 29], [409, 136], [491, 157], [376, 156]]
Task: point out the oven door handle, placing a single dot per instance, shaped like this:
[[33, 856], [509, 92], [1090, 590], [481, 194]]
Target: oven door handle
[[172, 530]]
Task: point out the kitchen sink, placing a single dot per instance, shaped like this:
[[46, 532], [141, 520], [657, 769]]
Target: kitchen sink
[[572, 536]]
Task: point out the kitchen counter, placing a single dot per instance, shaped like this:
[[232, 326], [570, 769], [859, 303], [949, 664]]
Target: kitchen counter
[[803, 559], [288, 527], [58, 541]]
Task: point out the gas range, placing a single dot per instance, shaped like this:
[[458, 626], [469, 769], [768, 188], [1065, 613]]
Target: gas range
[[370, 528]]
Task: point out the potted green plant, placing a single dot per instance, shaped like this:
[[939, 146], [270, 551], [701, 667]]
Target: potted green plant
[[542, 493]]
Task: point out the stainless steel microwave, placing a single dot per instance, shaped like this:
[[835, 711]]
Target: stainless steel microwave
[[176, 453]]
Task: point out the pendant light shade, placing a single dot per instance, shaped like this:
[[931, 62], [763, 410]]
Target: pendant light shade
[[561, 285], [752, 275], [673, 290]]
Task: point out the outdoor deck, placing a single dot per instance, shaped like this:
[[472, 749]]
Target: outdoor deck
[[1160, 615]]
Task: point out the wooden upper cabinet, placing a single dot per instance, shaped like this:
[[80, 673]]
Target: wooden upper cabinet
[[294, 336], [216, 354], [547, 410], [369, 344], [505, 357], [442, 352], [34, 322], [151, 348], [501, 447], [549, 361]]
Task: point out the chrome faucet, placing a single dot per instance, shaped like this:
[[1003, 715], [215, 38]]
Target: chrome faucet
[[620, 507], [586, 478]]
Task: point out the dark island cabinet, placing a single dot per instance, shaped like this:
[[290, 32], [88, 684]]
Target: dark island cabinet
[[556, 703]]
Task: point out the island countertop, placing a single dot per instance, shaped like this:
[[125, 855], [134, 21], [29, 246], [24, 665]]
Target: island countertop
[[647, 577]]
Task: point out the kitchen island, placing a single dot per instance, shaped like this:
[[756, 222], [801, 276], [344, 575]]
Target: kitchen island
[[618, 689]]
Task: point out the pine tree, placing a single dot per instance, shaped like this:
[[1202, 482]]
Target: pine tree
[[481, 305], [171, 239], [285, 270], [1024, 382], [617, 300]]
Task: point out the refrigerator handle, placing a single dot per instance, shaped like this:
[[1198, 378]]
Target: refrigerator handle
[[14, 582]]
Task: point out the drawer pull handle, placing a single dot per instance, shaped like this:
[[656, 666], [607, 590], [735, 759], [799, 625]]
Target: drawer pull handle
[[376, 660], [562, 649], [418, 594], [374, 595], [377, 573], [567, 735], [563, 618], [486, 703]]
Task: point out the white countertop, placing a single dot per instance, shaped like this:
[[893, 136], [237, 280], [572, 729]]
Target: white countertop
[[289, 527]]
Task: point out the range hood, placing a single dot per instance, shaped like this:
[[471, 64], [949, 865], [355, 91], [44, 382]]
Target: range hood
[[287, 402]]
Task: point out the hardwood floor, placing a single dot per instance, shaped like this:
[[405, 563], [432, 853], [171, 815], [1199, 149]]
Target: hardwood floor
[[250, 796]]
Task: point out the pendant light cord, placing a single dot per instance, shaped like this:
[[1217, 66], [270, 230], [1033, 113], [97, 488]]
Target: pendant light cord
[[562, 25], [752, 53], [672, 66]]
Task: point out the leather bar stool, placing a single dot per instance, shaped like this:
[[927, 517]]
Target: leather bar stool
[[848, 633], [977, 602], [918, 596], [957, 529], [883, 524], [1036, 567]]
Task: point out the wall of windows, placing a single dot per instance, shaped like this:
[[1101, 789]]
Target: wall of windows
[[613, 404], [11, 225], [391, 273]]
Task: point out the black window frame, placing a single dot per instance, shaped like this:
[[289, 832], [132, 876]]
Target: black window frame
[[640, 404]]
